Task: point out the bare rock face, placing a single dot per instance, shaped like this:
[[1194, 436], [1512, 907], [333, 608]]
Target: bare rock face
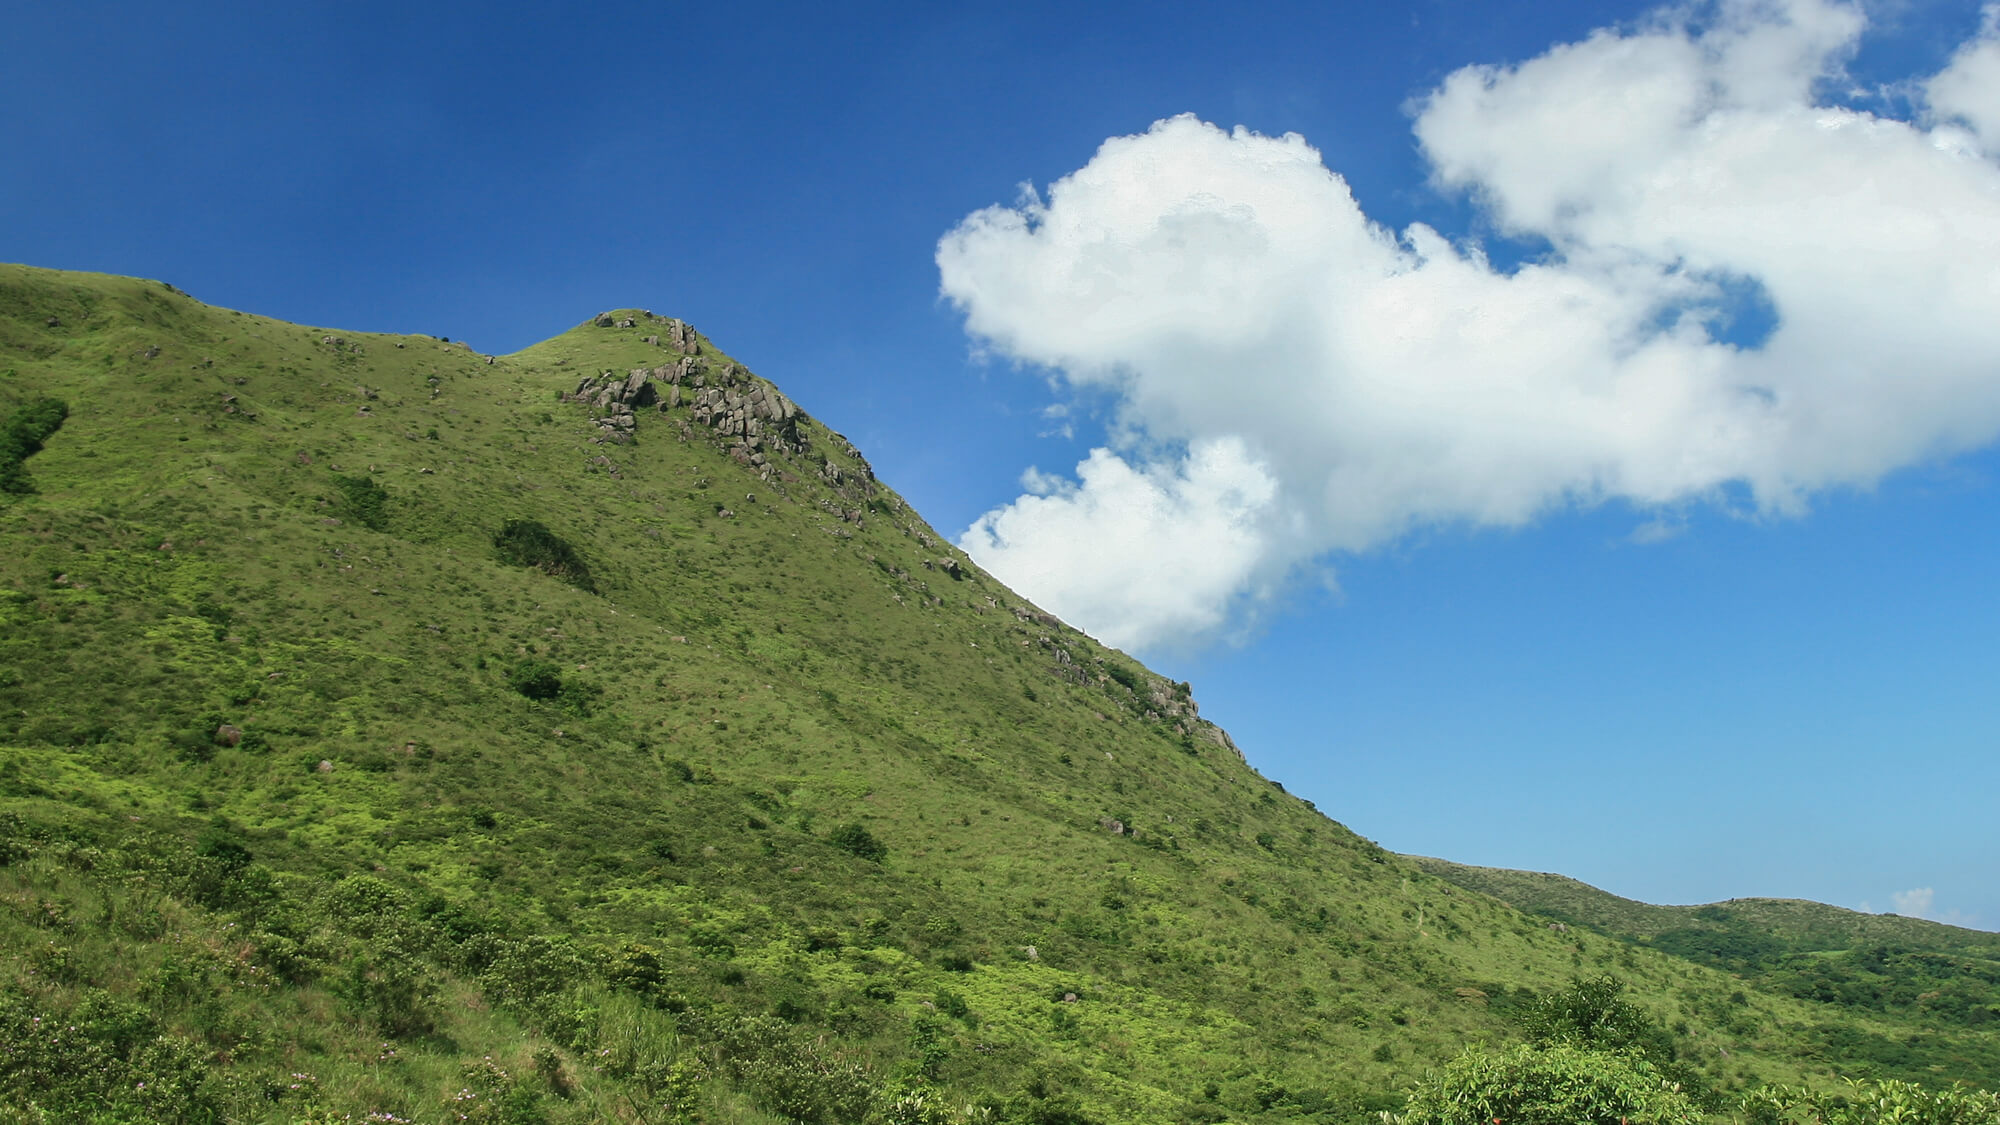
[[681, 336]]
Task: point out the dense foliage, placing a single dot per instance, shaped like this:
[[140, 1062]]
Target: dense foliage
[[364, 501], [1553, 1085], [21, 438], [1886, 1102], [524, 542]]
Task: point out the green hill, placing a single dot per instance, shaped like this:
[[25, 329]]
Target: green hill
[[1943, 980], [395, 731]]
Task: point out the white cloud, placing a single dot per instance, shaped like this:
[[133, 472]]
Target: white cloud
[[1191, 529], [1657, 530], [1914, 903], [1293, 379], [1921, 902], [1968, 90]]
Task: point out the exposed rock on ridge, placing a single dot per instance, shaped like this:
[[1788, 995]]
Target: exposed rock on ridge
[[724, 399]]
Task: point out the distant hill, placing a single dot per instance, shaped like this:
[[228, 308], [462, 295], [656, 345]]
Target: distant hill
[[392, 730], [1794, 924], [1938, 977]]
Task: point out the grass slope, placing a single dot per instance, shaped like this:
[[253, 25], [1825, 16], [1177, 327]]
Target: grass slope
[[384, 731], [1942, 983]]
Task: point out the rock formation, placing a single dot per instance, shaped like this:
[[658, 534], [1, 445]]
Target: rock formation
[[727, 400]]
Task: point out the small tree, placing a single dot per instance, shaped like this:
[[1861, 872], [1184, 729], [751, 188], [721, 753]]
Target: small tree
[[1592, 1013]]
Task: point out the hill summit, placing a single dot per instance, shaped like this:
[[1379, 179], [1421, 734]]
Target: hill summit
[[396, 732]]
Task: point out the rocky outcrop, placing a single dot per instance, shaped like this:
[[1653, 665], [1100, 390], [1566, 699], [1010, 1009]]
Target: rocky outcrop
[[726, 400], [682, 338], [679, 335]]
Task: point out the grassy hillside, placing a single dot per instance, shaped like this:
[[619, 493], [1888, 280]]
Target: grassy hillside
[[396, 731], [1942, 981]]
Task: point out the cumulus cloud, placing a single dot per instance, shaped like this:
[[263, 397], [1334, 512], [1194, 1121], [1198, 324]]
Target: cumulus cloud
[[1914, 903], [1195, 527], [1921, 902], [1968, 90], [1294, 380]]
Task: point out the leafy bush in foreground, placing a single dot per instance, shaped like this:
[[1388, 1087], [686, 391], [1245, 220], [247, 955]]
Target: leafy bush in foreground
[[1871, 1103], [1558, 1085]]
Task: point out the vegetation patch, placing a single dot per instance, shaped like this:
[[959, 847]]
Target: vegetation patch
[[528, 543], [22, 437], [363, 501]]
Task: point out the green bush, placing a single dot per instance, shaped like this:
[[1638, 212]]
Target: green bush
[[1557, 1085], [795, 1077], [391, 988], [22, 437], [528, 543], [857, 840], [1592, 1013], [103, 1060], [363, 501], [1126, 677], [1871, 1103], [536, 679]]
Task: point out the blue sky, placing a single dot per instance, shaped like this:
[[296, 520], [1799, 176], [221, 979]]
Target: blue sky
[[1639, 525]]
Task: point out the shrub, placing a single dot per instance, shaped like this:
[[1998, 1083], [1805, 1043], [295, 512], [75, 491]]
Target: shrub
[[1126, 677], [528, 543], [220, 846], [857, 840], [392, 988], [578, 698], [1592, 1013], [950, 1003], [1871, 1103], [526, 972], [364, 501], [1558, 1085], [536, 679], [794, 1077], [22, 437]]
